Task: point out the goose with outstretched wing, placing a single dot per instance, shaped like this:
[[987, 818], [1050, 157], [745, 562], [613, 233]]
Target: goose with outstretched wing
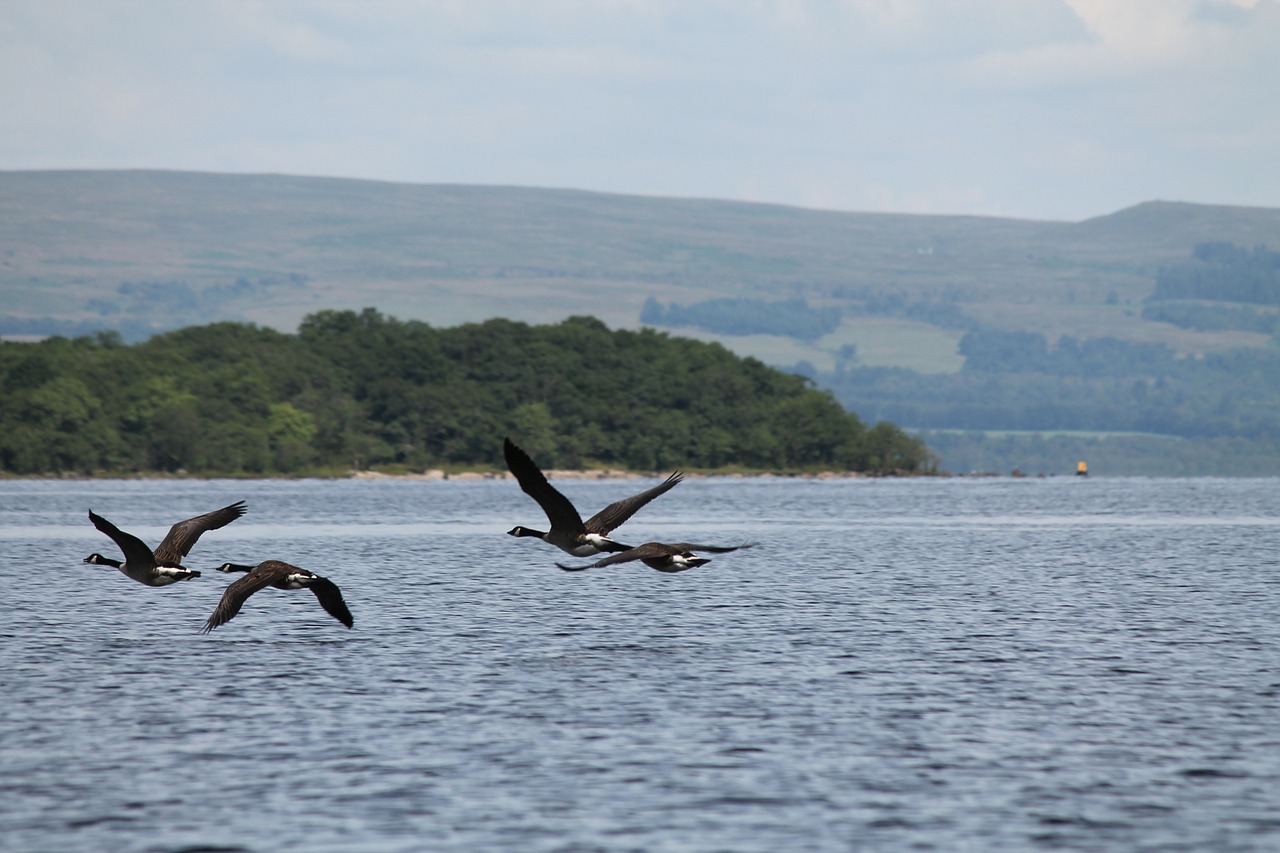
[[281, 575], [162, 566], [568, 531]]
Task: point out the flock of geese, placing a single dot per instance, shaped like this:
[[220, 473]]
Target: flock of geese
[[567, 531]]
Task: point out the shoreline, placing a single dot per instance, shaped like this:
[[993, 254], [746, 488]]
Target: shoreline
[[602, 474], [439, 474]]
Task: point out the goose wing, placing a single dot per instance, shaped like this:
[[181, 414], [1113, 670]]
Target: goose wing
[[650, 550], [234, 596], [640, 552], [677, 547], [560, 512], [183, 535], [619, 511], [330, 598], [136, 553]]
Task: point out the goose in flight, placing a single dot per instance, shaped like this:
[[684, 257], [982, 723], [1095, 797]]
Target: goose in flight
[[671, 558], [568, 531], [280, 575], [162, 566]]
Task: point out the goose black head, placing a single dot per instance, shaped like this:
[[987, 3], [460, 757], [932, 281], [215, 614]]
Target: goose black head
[[525, 531]]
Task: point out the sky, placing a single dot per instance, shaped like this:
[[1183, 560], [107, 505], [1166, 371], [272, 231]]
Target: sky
[[1040, 109]]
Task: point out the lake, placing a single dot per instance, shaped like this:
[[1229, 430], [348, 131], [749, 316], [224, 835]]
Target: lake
[[920, 664]]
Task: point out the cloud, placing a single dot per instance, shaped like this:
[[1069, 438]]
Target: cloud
[[1062, 108], [1144, 40]]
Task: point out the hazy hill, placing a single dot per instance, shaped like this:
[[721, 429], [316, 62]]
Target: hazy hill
[[143, 250], [270, 249]]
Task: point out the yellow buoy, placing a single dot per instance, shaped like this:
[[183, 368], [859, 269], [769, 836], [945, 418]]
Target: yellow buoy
[[1082, 469]]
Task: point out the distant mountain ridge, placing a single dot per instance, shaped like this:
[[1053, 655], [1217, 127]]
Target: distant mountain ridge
[[144, 251], [453, 253]]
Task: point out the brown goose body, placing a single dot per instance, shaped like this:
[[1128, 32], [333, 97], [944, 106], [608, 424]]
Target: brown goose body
[[568, 531], [281, 575]]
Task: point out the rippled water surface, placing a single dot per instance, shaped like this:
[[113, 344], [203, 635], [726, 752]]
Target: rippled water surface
[[1057, 664]]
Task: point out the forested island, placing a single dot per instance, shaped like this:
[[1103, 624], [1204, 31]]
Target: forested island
[[360, 390]]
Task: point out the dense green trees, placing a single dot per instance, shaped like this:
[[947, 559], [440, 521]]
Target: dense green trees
[[361, 389]]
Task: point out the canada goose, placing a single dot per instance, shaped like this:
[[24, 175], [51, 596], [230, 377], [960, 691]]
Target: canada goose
[[664, 557], [162, 566], [280, 575], [568, 532]]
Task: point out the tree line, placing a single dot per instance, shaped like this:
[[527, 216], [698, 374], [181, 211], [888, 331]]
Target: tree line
[[1017, 381], [1003, 351], [360, 389], [1213, 316], [1223, 272]]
